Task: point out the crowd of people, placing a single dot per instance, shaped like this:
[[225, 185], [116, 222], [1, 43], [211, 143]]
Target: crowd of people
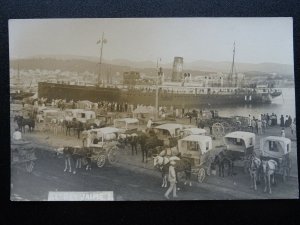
[[260, 124]]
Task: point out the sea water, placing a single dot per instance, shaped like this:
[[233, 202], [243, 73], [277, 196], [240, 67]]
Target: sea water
[[281, 105]]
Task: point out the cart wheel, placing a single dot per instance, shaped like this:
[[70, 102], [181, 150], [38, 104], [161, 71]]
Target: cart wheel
[[218, 129], [29, 166], [112, 156], [101, 161], [201, 175]]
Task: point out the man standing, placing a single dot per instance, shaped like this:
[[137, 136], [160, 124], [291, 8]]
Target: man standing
[[249, 122], [84, 137], [259, 127], [293, 128], [253, 124], [172, 180], [149, 124]]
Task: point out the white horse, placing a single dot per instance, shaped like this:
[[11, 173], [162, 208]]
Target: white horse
[[255, 165], [163, 164], [269, 167]]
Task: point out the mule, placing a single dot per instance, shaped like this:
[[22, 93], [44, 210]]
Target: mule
[[133, 140], [182, 165], [22, 122], [254, 170], [224, 162], [269, 168], [76, 125], [73, 158]]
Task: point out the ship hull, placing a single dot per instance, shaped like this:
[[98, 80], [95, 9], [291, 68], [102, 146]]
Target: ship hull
[[95, 94], [75, 92]]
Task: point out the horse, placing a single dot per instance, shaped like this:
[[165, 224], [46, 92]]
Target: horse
[[133, 140], [254, 170], [182, 165], [22, 122], [123, 140], [74, 156], [148, 145], [74, 124], [223, 161], [268, 169]]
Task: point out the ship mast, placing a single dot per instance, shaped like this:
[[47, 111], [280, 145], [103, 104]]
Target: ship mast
[[102, 41], [233, 70]]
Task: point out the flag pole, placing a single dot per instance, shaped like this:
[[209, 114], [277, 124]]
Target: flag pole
[[101, 48]]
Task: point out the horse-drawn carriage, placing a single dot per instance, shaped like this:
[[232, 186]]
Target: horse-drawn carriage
[[277, 149], [239, 147], [22, 153], [99, 146], [127, 125], [170, 133], [103, 145], [198, 150], [219, 126]]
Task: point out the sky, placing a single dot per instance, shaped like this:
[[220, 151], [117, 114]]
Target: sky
[[258, 40]]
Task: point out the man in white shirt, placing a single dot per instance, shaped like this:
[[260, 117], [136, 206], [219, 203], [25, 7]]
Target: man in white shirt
[[149, 124]]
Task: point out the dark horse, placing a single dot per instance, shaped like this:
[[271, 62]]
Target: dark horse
[[73, 157], [148, 144], [76, 125], [22, 122], [223, 161]]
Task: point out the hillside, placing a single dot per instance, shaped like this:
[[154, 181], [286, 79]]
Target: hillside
[[90, 64]]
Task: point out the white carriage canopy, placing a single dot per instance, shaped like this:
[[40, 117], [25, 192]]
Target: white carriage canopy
[[195, 131], [102, 134], [144, 110], [85, 104], [50, 112], [73, 112], [86, 114], [195, 145], [126, 123], [276, 147], [171, 129], [239, 140]]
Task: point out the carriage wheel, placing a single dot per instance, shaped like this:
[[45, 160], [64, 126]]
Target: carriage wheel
[[201, 175], [101, 161], [218, 129], [112, 156], [226, 127], [29, 166]]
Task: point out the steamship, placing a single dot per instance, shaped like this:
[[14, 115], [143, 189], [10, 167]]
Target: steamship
[[181, 91]]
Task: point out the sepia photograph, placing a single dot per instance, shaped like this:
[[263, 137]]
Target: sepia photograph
[[152, 109]]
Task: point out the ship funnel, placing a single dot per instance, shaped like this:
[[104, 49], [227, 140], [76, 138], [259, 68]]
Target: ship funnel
[[177, 69]]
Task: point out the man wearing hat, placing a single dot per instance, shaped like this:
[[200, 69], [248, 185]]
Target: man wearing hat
[[172, 180]]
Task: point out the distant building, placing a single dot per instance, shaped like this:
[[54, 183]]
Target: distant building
[[131, 77], [177, 69]]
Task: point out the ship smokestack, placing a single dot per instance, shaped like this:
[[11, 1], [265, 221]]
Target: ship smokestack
[[177, 69]]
